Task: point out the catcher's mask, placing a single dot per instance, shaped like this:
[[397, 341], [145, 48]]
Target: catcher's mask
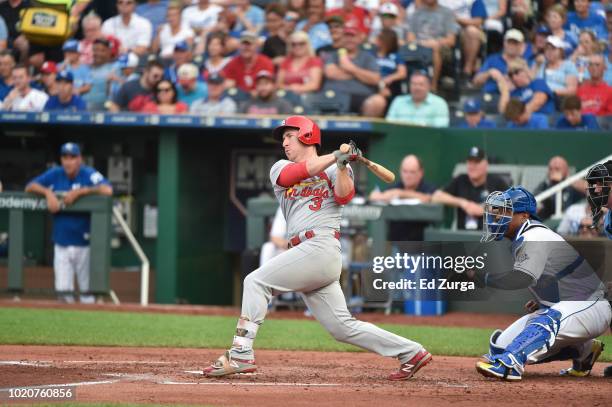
[[499, 209], [599, 180]]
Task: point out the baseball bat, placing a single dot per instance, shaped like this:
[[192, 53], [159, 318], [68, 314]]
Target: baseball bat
[[378, 170]]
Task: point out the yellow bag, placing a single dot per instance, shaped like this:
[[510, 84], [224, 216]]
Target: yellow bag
[[45, 26]]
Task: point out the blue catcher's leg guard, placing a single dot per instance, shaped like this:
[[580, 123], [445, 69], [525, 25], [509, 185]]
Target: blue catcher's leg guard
[[494, 349], [539, 333]]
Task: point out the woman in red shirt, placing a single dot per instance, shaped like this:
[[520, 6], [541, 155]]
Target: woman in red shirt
[[165, 100], [301, 71]]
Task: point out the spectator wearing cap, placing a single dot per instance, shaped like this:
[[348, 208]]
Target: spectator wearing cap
[[7, 63], [354, 16], [470, 15], [48, 72], [474, 117], [66, 99], [556, 16], [134, 94], [434, 26], [301, 71], [495, 66], [595, 94], [172, 33], [388, 18], [92, 30], [538, 45], [534, 93], [559, 74], [101, 71], [275, 45], [70, 230], [587, 46], [165, 100], [314, 24], [216, 103], [393, 70], [182, 55], [134, 32], [249, 17], [468, 192], [573, 118], [154, 11], [23, 97], [241, 70], [215, 51], [421, 107], [335, 24], [72, 63], [201, 17], [584, 18], [265, 101], [519, 118], [354, 72], [190, 87], [124, 70]]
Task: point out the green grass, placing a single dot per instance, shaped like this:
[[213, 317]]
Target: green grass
[[104, 328]]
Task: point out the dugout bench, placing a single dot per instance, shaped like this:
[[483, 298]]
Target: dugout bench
[[100, 210]]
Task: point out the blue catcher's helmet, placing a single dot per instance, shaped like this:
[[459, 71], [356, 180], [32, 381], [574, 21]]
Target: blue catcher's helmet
[[501, 206]]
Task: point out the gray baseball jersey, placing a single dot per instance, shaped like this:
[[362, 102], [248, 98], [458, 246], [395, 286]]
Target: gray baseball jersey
[[309, 204]]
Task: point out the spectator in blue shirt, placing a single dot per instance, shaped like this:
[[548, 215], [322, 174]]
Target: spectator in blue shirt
[[573, 119], [63, 186], [190, 88], [154, 11], [7, 63], [518, 117], [497, 64], [315, 24], [73, 64], [535, 94], [556, 17], [3, 33], [585, 19], [182, 55], [65, 99], [392, 68], [474, 116], [249, 17]]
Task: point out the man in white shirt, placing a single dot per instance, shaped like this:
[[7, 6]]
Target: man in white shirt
[[23, 98], [201, 17], [134, 32]]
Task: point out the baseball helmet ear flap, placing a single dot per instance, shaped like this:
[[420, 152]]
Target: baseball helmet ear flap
[[308, 131]]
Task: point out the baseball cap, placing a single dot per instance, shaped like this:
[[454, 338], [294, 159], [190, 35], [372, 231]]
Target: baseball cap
[[472, 106], [104, 41], [555, 41], [48, 67], [70, 149], [514, 34], [181, 46], [187, 71], [264, 73], [543, 30], [129, 60], [64, 76], [476, 153], [334, 18], [247, 36], [215, 79], [71, 46], [388, 8]]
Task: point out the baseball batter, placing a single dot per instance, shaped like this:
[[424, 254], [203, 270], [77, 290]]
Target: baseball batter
[[311, 190], [569, 310], [599, 180]]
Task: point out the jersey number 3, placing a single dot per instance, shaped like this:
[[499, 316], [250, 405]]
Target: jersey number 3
[[316, 203]]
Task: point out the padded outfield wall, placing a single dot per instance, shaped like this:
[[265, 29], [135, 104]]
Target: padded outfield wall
[[198, 172]]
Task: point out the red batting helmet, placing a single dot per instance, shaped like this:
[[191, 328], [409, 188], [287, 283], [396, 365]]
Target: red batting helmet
[[308, 131]]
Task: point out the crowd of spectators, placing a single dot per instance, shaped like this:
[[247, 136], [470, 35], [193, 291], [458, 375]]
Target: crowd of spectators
[[535, 64]]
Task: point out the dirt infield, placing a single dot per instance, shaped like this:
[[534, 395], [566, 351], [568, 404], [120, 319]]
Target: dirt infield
[[149, 375]]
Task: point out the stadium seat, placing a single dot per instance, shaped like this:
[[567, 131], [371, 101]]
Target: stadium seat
[[238, 95], [416, 57], [605, 122], [327, 102]]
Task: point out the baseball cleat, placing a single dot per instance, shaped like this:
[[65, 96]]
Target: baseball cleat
[[582, 368], [227, 365], [408, 369], [608, 371], [498, 370]]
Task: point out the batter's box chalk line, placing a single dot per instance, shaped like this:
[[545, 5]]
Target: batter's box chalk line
[[253, 384]]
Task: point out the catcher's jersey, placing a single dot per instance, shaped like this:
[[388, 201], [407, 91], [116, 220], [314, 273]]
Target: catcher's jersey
[[309, 204], [558, 270]]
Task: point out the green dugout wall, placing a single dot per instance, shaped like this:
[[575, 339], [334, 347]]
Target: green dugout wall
[[182, 165]]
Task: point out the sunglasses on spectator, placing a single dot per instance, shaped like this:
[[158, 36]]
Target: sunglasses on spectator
[[514, 72], [297, 44]]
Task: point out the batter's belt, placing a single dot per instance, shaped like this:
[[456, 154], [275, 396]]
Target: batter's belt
[[309, 234]]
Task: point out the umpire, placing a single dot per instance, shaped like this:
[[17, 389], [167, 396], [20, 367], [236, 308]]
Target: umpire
[[72, 180]]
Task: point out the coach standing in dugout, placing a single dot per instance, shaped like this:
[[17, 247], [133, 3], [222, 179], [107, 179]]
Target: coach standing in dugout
[[70, 231]]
